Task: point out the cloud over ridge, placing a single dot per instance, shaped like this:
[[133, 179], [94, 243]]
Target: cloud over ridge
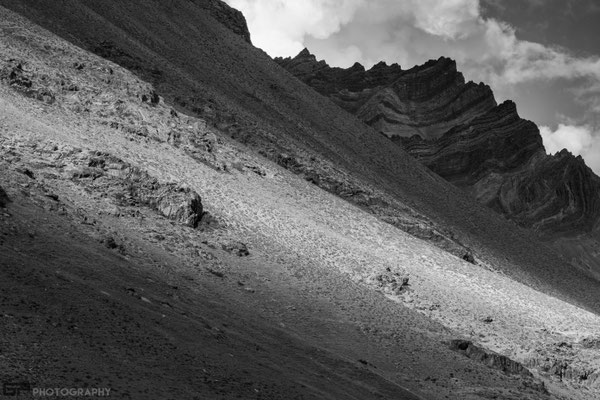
[[412, 31]]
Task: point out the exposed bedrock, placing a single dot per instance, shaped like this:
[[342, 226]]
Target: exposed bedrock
[[426, 100], [130, 185], [499, 158], [498, 141], [489, 358]]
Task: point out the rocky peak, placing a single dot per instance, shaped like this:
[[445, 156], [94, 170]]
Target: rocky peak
[[509, 106], [500, 159], [305, 53], [304, 65], [433, 69], [557, 194], [329, 80], [357, 67], [433, 80]]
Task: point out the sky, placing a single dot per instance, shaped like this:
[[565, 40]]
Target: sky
[[543, 54]]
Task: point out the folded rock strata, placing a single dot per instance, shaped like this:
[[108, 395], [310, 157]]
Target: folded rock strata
[[457, 129]]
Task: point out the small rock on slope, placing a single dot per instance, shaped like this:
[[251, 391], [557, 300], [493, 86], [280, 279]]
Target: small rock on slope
[[4, 200]]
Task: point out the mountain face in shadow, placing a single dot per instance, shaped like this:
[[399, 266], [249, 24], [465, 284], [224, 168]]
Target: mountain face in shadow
[[426, 100], [459, 132]]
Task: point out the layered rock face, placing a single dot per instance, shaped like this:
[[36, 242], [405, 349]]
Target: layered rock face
[[499, 158], [558, 194], [426, 100], [502, 141], [349, 88], [458, 131]]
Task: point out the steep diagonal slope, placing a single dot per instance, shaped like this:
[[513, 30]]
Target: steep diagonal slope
[[201, 65], [278, 293], [97, 256], [457, 130]]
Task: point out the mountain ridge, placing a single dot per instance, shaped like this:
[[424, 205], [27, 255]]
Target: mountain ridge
[[402, 104], [485, 148]]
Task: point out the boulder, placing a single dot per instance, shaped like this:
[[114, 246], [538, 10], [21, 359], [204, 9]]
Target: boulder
[[179, 203]]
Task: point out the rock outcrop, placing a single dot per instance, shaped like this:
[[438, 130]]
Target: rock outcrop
[[17, 77], [499, 362], [458, 131], [567, 361], [349, 88], [131, 186], [489, 358]]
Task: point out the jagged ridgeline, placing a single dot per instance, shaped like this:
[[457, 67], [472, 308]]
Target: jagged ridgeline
[[459, 131]]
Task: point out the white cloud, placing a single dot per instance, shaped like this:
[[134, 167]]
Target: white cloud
[[449, 19], [589, 95], [411, 32], [575, 138], [279, 26]]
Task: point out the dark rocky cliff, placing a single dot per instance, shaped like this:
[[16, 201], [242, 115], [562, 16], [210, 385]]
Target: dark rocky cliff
[[495, 142], [499, 158], [426, 100], [458, 131]]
